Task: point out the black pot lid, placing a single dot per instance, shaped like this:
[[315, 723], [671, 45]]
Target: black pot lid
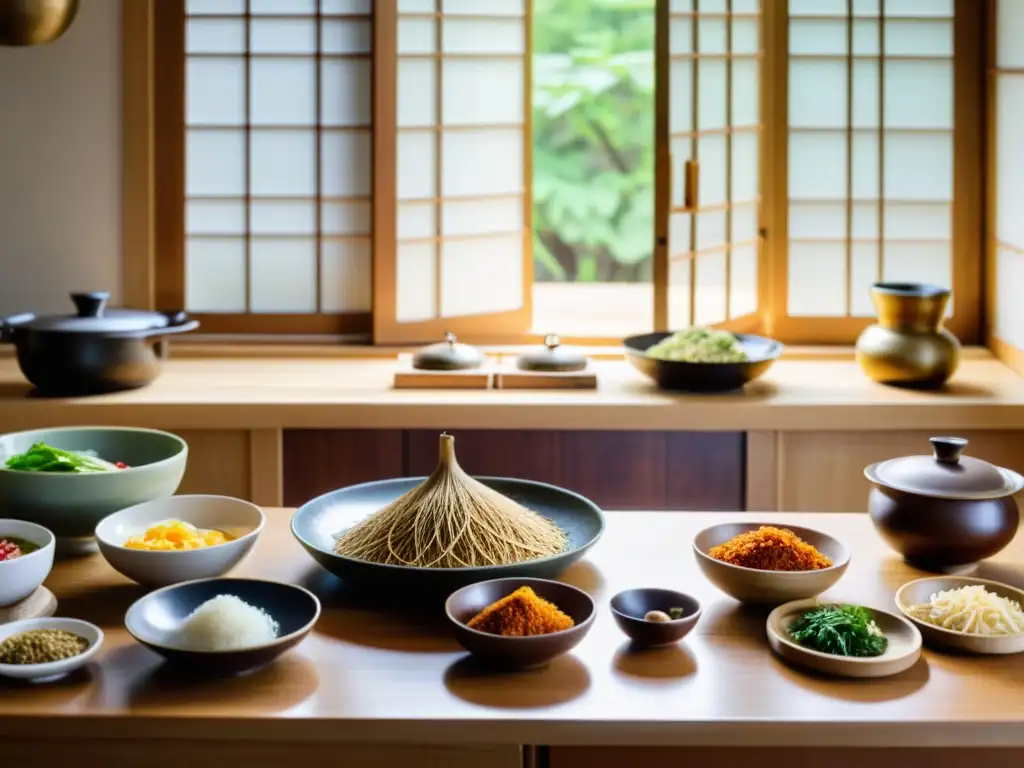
[[93, 317], [946, 474]]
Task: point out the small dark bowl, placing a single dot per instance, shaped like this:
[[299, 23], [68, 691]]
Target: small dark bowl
[[702, 377], [630, 607], [153, 620], [519, 652]]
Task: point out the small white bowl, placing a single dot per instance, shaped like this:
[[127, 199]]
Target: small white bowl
[[240, 519], [51, 669], [20, 577]]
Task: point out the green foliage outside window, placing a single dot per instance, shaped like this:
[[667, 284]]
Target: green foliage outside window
[[593, 138]]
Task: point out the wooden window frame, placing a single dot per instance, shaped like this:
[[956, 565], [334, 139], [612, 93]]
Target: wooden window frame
[[1008, 353], [153, 189], [968, 185]]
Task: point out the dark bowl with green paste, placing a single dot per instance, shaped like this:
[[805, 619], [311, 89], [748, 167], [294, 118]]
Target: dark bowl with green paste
[[706, 375]]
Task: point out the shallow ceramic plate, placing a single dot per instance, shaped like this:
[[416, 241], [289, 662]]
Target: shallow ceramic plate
[[52, 669], [317, 522], [921, 590], [902, 653]]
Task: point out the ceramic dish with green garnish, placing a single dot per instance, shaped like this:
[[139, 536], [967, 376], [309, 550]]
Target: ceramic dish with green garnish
[[843, 639]]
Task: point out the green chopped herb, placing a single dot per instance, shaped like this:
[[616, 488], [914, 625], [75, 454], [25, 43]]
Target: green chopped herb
[[675, 613], [842, 630], [45, 458]]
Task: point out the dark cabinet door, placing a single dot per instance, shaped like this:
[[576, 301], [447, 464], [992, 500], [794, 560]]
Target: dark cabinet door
[[618, 470], [316, 461]]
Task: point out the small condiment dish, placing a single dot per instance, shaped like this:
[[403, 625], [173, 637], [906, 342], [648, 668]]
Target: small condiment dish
[[52, 669], [22, 576], [241, 520], [921, 590], [156, 619], [901, 653], [630, 607], [752, 585], [519, 652]]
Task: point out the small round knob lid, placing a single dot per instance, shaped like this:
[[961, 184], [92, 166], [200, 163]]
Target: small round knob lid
[[92, 304], [448, 355], [948, 450], [552, 357]]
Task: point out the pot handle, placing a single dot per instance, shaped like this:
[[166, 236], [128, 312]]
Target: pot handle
[[177, 322], [8, 324]]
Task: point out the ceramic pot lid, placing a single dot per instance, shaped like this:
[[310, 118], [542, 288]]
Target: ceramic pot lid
[[448, 355], [92, 316], [551, 357], [946, 474]]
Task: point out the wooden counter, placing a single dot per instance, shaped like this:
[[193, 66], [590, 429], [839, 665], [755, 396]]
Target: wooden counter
[[325, 393], [369, 678]]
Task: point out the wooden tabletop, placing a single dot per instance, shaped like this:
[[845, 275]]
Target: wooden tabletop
[[276, 393], [366, 676]]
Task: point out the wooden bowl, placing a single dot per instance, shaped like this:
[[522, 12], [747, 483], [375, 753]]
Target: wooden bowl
[[154, 621], [630, 607], [752, 585], [921, 590], [902, 653], [519, 652]]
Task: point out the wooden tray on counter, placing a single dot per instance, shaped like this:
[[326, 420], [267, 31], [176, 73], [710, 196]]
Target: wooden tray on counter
[[495, 373]]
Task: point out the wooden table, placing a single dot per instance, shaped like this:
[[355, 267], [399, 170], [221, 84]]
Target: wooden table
[[375, 689]]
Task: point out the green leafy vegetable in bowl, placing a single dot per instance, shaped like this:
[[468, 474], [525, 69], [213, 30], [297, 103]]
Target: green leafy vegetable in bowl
[[700, 345], [45, 458], [841, 630]]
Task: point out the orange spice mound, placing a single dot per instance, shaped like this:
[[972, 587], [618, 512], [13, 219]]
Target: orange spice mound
[[770, 549], [521, 614]]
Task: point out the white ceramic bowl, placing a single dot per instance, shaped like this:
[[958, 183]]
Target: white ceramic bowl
[[20, 577], [240, 519], [52, 669]]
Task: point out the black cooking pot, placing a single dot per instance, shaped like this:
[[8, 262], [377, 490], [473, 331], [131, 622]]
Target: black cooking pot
[[97, 350]]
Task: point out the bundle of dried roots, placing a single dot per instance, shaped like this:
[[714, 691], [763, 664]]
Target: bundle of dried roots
[[452, 521]]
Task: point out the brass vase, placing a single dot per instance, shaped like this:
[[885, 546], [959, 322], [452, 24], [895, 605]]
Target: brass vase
[[34, 22], [908, 345]]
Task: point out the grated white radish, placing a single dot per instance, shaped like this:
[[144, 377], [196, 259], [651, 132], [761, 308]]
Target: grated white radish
[[972, 610], [226, 623]]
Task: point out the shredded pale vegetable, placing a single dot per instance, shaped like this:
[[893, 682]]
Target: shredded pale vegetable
[[972, 610]]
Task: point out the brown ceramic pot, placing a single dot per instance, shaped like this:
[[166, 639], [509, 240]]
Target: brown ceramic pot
[[944, 510]]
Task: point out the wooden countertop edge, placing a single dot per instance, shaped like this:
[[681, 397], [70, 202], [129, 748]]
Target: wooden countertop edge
[[809, 417], [511, 731]]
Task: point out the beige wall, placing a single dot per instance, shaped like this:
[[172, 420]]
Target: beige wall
[[60, 168]]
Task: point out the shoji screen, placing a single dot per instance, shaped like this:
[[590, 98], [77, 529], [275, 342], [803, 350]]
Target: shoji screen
[[278, 161], [870, 150], [461, 258], [714, 142], [1008, 171]]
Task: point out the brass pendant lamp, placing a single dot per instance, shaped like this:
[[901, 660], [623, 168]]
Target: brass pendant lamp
[[34, 22]]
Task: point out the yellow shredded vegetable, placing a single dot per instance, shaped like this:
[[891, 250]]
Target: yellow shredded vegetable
[[176, 535]]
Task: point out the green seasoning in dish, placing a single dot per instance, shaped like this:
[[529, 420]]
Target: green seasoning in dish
[[11, 547], [841, 630], [45, 458], [41, 646], [699, 345]]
